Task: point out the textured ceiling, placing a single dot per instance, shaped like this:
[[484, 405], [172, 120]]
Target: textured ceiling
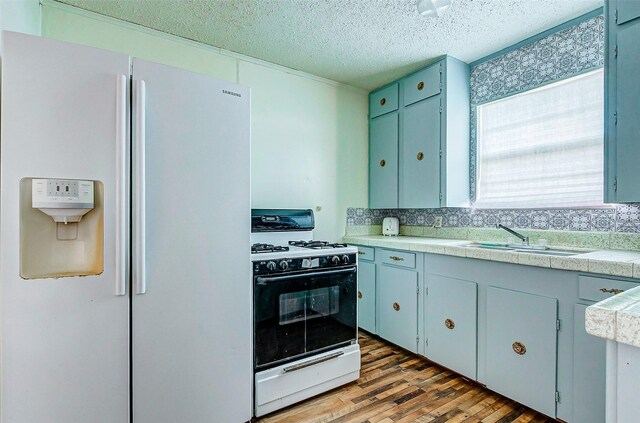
[[364, 43]]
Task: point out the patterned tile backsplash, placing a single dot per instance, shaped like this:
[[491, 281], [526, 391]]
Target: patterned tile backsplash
[[619, 218]]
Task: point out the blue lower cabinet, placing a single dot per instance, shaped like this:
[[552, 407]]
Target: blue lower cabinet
[[451, 322], [367, 296], [398, 306], [521, 332], [589, 372]]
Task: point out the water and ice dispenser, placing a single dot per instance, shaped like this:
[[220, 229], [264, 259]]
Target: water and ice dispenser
[[64, 200], [61, 228]]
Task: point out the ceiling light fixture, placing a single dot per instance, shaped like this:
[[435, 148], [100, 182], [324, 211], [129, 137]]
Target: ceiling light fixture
[[433, 8]]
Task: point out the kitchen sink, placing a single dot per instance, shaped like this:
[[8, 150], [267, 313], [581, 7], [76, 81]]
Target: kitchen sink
[[520, 249]]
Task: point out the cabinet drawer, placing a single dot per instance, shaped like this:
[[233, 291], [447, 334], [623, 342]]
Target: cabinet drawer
[[421, 85], [383, 101], [598, 289], [398, 258], [366, 253]]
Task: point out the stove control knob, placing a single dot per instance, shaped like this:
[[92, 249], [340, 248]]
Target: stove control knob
[[335, 260], [284, 265], [271, 265], [345, 259]]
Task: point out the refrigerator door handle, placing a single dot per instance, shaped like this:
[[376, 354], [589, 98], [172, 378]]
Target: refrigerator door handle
[[121, 186], [140, 273]]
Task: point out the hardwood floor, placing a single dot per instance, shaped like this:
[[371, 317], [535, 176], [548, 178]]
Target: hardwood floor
[[396, 386]]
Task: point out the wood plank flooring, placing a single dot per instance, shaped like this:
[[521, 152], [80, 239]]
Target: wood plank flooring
[[396, 386]]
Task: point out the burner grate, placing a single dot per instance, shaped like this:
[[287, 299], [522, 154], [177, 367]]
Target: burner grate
[[267, 248], [317, 245]]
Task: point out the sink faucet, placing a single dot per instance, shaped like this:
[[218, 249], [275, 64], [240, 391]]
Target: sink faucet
[[525, 239]]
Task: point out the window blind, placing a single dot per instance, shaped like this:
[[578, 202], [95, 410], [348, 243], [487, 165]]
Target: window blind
[[544, 147]]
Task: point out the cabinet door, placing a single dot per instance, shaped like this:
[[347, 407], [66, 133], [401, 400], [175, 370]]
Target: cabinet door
[[628, 10], [451, 318], [383, 101], [420, 159], [383, 162], [521, 347], [422, 84], [628, 104], [398, 306], [367, 296], [589, 372]]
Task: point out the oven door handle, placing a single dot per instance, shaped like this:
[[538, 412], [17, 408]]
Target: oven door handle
[[262, 280], [313, 362]]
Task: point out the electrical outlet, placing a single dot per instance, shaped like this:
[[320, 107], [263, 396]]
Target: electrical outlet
[[438, 222]]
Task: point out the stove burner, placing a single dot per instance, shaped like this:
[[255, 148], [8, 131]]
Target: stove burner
[[267, 248], [316, 245]]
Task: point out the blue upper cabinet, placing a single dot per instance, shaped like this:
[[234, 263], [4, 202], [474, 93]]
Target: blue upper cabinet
[[432, 109], [422, 84], [383, 101], [383, 161], [622, 88]]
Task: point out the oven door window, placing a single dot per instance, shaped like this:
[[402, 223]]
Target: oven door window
[[297, 315], [311, 304]]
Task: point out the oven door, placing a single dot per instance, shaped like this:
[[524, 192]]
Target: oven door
[[296, 315]]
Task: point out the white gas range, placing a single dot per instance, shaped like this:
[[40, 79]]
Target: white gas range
[[305, 310]]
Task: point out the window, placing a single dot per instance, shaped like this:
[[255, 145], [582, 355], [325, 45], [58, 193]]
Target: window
[[544, 147]]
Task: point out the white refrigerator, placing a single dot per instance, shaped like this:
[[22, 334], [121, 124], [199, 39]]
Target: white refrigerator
[[141, 311]]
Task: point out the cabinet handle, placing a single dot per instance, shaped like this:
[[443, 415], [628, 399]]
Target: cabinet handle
[[382, 163], [420, 156], [396, 258], [383, 101], [360, 252], [611, 291], [396, 306], [359, 294], [519, 348], [420, 85], [450, 324]]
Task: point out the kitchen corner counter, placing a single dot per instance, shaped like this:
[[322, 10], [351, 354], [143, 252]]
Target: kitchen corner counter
[[605, 262], [616, 318]]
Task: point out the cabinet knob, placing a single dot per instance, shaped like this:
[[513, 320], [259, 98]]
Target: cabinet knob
[[450, 324], [359, 294], [519, 348], [383, 101], [420, 85], [396, 306], [611, 291], [382, 163], [420, 156]]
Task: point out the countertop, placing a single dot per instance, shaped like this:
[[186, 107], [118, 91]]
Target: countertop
[[605, 262], [616, 318]]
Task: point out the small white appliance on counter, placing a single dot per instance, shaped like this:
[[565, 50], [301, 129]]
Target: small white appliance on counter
[[138, 308], [390, 226], [305, 320]]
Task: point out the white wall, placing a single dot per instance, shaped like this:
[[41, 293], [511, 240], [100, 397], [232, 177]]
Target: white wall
[[309, 135], [20, 16]]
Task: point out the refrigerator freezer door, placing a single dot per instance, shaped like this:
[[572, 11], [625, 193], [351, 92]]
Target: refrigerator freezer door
[[65, 342], [192, 334]]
